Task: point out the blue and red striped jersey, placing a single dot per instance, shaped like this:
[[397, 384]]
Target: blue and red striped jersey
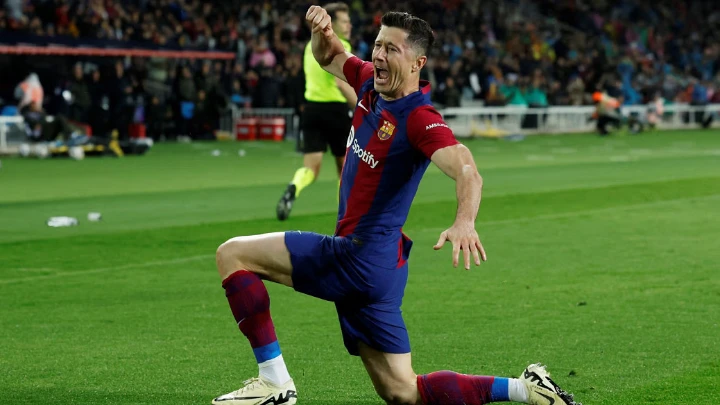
[[388, 150]]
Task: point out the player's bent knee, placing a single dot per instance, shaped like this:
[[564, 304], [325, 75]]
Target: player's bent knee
[[229, 257]]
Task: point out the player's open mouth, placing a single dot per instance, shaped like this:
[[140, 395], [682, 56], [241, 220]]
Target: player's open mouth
[[381, 75]]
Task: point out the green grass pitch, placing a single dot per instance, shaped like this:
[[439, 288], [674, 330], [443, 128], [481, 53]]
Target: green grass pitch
[[604, 263]]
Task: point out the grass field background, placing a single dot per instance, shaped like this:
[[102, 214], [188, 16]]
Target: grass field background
[[604, 263]]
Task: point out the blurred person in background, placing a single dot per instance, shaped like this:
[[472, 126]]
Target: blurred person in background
[[30, 91], [187, 94], [607, 112], [81, 102], [203, 117], [294, 86], [46, 133], [608, 41], [117, 87], [267, 93], [656, 109], [326, 114], [576, 90], [450, 94], [155, 114]]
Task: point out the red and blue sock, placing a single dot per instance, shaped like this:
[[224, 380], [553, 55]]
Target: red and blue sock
[[250, 305], [450, 388]]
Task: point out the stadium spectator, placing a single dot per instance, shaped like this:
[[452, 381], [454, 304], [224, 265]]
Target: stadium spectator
[[155, 116], [98, 117], [202, 119], [187, 93], [262, 56], [80, 107], [294, 84], [629, 49], [449, 94], [267, 90], [187, 87]]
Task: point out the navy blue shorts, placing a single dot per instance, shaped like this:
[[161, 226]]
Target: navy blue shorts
[[367, 288]]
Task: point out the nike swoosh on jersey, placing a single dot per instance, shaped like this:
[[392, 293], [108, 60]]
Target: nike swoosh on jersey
[[362, 106]]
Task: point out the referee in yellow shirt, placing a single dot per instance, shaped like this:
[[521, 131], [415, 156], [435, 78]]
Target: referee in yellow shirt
[[326, 116]]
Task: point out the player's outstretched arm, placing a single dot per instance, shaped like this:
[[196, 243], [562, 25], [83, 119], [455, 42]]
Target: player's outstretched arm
[[326, 47], [457, 162]]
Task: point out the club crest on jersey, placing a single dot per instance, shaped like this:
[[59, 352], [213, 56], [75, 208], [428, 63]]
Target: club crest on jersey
[[386, 131]]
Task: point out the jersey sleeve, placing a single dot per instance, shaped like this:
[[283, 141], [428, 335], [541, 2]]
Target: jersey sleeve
[[357, 72], [428, 132]]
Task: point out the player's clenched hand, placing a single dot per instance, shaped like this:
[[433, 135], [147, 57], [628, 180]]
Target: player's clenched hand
[[463, 236], [320, 21]]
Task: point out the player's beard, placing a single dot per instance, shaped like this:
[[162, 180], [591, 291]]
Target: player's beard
[[390, 86]]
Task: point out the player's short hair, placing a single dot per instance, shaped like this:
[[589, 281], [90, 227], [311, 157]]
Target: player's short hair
[[420, 35], [333, 8]]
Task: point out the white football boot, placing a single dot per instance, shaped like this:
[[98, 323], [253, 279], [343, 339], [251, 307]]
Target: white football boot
[[542, 390], [257, 391]]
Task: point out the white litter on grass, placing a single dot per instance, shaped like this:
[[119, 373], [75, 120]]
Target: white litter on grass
[[241, 153], [58, 222], [216, 152], [94, 216]]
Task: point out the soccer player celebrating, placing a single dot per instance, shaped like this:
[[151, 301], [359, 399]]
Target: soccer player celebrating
[[363, 268], [326, 118]]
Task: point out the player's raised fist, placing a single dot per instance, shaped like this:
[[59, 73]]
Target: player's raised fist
[[320, 21]]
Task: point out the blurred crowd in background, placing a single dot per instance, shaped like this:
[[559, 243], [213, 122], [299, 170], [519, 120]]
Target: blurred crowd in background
[[512, 52]]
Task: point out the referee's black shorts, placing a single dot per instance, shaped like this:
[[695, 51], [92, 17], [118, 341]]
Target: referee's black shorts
[[325, 124]]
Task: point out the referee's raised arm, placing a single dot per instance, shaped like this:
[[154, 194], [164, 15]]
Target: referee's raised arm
[[326, 46]]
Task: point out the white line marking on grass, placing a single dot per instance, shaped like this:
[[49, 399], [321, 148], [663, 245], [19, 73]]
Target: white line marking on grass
[[540, 158], [683, 152], [620, 158], [27, 269], [684, 144], [574, 214], [529, 147], [481, 224], [107, 269], [564, 151]]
